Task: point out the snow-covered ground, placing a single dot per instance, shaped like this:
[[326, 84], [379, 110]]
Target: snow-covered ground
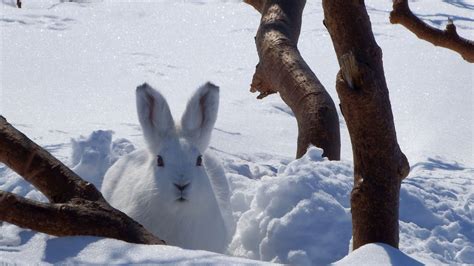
[[68, 69]]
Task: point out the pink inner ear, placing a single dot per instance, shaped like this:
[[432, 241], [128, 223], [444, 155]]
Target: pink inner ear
[[151, 104], [202, 109]]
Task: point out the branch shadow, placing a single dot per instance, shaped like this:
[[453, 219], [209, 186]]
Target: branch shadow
[[460, 4], [440, 19], [433, 164], [61, 248], [11, 3]]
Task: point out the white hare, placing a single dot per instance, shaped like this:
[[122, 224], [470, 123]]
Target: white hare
[[175, 188]]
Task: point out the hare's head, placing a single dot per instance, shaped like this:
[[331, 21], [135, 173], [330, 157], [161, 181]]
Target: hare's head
[[178, 163]]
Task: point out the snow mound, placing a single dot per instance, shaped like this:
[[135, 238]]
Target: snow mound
[[92, 156], [299, 216], [377, 254]]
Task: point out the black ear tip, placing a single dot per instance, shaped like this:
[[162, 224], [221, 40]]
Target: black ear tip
[[211, 85], [144, 86]]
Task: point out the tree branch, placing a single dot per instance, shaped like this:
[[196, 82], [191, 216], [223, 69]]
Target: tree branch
[[76, 208], [37, 166], [447, 38], [257, 4], [282, 69]]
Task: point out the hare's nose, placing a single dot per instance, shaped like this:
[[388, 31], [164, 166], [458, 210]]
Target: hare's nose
[[181, 187]]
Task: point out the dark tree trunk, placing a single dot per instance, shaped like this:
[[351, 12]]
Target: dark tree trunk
[[282, 69], [379, 164], [76, 207], [18, 3]]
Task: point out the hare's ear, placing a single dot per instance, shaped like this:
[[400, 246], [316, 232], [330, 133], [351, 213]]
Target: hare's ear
[[200, 115], [154, 116]]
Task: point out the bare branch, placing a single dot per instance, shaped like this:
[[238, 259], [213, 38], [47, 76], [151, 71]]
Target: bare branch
[[282, 69], [37, 166], [68, 219], [77, 207], [447, 38]]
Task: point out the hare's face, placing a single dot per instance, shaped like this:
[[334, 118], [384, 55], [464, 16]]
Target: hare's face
[[179, 172]]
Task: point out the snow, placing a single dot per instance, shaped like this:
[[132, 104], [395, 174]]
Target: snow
[[307, 195], [92, 156], [70, 70], [377, 254], [437, 212], [93, 250]]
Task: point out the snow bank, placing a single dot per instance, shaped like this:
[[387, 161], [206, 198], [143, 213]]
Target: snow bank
[[377, 254], [299, 216], [286, 211]]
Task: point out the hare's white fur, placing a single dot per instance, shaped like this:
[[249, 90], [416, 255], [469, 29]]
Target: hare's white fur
[[197, 217]]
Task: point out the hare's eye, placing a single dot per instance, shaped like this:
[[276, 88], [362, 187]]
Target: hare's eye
[[159, 161], [199, 161]]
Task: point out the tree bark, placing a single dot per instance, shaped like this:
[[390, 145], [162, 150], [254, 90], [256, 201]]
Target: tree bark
[[282, 69], [379, 164], [447, 38], [76, 207]]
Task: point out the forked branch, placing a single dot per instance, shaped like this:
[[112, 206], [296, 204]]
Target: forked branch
[[447, 38], [76, 207]]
